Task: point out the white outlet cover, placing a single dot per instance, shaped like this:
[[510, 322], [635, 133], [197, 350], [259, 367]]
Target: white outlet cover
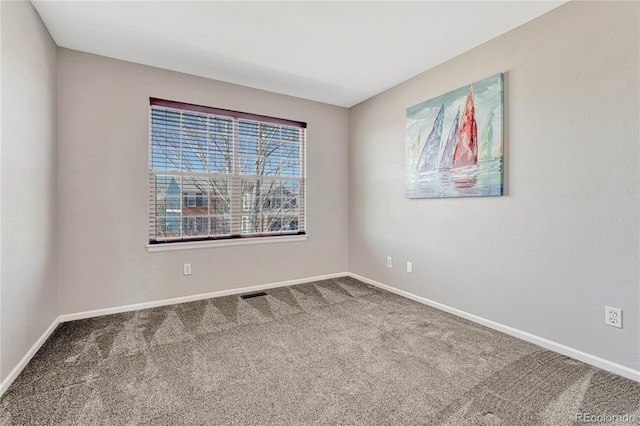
[[613, 316]]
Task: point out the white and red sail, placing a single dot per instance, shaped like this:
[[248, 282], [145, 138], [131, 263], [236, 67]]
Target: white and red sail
[[466, 152]]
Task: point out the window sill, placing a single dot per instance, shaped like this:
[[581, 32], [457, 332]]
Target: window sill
[[152, 248]]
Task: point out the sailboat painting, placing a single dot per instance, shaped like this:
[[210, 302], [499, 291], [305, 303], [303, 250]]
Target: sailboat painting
[[455, 143]]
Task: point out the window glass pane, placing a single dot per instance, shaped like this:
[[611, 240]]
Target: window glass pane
[[290, 134], [196, 194], [268, 150], [247, 151], [269, 132], [161, 117], [219, 188], [172, 206], [271, 159], [194, 141], [262, 204], [193, 162], [290, 160], [168, 206], [165, 138], [273, 223], [220, 125], [219, 206], [289, 223], [192, 121], [290, 195], [219, 225], [220, 154], [251, 224], [161, 184], [189, 226], [250, 193], [165, 159], [272, 196], [247, 128]]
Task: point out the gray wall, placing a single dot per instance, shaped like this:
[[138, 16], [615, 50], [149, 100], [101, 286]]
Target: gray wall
[[564, 241], [29, 294], [102, 189]]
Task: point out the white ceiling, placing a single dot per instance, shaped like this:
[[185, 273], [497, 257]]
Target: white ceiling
[[340, 53]]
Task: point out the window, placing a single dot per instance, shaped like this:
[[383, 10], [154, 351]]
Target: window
[[191, 200], [218, 174]]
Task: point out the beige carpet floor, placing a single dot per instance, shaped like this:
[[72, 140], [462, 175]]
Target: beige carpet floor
[[332, 352]]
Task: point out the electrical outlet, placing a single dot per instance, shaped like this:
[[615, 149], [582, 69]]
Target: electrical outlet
[[389, 262], [613, 317], [187, 269], [410, 267]]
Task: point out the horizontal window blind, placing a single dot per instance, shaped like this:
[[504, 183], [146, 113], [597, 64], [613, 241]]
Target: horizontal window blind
[[216, 174]]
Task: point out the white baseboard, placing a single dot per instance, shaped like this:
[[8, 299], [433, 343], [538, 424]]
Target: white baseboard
[[27, 357], [602, 363], [192, 298]]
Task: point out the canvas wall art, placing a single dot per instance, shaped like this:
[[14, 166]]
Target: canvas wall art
[[455, 143]]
